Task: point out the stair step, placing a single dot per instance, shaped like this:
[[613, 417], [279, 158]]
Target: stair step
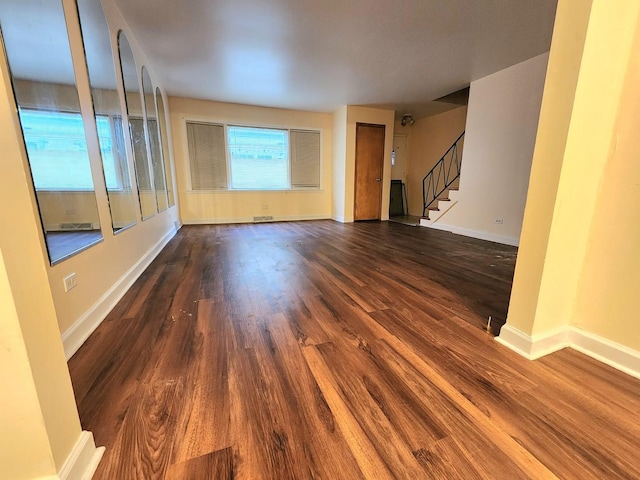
[[433, 208]]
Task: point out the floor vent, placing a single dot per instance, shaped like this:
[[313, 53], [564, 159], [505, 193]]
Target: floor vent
[[267, 218], [76, 226]]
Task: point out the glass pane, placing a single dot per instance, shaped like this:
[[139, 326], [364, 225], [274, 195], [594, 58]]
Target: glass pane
[[162, 121], [37, 49], [106, 103], [154, 142], [259, 158], [136, 127]]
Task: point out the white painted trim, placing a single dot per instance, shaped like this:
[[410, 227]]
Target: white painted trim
[[338, 218], [285, 218], [602, 349], [77, 334], [534, 347], [491, 237], [83, 460]]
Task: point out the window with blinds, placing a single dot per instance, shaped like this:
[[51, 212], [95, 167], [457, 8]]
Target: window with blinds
[[305, 159], [252, 158], [207, 156]]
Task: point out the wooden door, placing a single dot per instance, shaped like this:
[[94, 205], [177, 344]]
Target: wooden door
[[369, 166]]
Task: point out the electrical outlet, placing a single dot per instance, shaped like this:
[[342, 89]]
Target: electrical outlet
[[70, 281], [265, 206], [499, 221]]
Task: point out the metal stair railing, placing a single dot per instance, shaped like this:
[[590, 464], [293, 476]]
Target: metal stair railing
[[442, 175]]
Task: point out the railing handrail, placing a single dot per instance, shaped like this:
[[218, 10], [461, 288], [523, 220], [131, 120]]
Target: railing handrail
[[445, 154], [443, 174]]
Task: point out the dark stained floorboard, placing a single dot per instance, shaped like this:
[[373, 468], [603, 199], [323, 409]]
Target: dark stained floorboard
[[327, 350]]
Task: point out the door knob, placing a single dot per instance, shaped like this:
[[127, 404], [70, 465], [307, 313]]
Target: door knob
[[378, 179]]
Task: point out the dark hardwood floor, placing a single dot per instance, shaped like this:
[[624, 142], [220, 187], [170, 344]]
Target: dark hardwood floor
[[340, 351]]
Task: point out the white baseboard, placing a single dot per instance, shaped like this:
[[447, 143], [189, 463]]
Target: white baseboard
[[276, 218], [76, 334], [602, 349], [491, 237], [338, 218], [81, 464], [536, 346]]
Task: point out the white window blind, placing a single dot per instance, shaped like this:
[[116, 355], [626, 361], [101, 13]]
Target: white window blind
[[207, 157], [305, 159], [259, 158]]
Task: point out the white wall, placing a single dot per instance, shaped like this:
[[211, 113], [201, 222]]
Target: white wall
[[502, 122]]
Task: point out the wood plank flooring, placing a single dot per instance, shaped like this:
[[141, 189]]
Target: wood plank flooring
[[340, 351]]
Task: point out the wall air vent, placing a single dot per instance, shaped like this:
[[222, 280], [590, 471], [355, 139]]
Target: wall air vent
[[76, 226], [268, 218]]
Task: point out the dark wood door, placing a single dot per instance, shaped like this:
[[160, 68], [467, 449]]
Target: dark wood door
[[369, 167]]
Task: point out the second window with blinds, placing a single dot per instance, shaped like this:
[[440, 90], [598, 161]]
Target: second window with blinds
[[230, 157]]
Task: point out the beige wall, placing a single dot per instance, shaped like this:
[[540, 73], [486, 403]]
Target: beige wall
[[401, 151], [101, 267], [40, 423], [501, 127], [333, 200], [563, 69], [591, 259], [339, 163], [607, 302], [242, 206], [429, 139], [38, 417], [80, 206], [374, 116], [67, 207], [24, 444]]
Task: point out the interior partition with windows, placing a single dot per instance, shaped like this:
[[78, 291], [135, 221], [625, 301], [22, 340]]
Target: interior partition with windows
[[77, 146], [236, 157]]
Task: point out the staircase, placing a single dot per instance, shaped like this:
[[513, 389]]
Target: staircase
[[440, 185]]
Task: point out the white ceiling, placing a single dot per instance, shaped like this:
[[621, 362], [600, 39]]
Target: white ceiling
[[320, 54]]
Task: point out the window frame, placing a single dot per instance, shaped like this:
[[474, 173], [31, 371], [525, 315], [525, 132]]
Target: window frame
[[110, 120], [112, 129], [226, 125]]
